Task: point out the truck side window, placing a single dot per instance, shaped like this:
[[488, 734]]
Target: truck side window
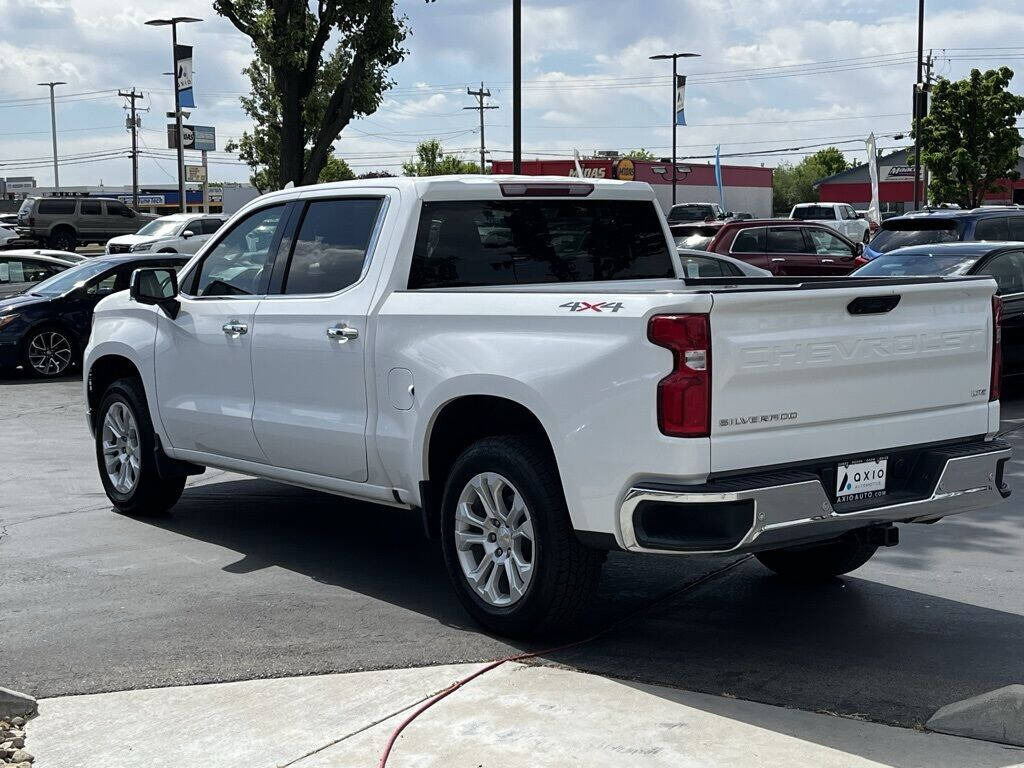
[[330, 249], [995, 228], [235, 265]]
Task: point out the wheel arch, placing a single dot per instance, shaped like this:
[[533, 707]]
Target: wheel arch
[[459, 422], [104, 371]]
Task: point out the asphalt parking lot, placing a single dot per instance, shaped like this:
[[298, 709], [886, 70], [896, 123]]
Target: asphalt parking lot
[[249, 579]]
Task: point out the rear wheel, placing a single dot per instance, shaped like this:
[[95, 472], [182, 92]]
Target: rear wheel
[[509, 547], [63, 239], [48, 352], [816, 562], [125, 453]]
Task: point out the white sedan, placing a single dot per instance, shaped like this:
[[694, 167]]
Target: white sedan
[[706, 264], [178, 233]]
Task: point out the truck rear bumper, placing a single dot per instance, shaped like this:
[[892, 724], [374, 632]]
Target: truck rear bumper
[[776, 509]]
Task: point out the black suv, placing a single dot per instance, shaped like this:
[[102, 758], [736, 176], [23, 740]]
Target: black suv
[[991, 223], [65, 222]]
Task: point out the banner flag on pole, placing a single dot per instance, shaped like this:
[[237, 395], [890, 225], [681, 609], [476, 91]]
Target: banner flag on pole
[[680, 99], [183, 75], [873, 209], [718, 176]]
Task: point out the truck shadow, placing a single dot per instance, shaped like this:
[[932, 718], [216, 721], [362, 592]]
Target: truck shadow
[[850, 646]]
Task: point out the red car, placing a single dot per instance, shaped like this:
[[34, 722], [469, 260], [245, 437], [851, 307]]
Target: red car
[[787, 247]]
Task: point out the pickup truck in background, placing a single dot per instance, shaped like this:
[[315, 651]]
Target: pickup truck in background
[[840, 216], [520, 361]]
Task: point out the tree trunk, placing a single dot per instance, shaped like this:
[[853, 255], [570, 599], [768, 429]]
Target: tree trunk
[[292, 135]]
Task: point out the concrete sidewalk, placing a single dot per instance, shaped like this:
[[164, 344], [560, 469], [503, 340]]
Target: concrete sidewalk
[[515, 715]]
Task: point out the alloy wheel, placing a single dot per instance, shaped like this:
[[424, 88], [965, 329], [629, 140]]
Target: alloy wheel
[[494, 538], [121, 451], [49, 353]]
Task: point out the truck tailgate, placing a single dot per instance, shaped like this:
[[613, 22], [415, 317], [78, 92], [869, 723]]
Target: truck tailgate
[[798, 375]]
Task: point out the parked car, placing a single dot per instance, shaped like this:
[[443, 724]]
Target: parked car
[[787, 247], [683, 213], [695, 236], [177, 233], [1003, 262], [948, 225], [8, 236], [20, 270], [839, 216], [697, 263], [66, 222], [537, 398], [45, 330]]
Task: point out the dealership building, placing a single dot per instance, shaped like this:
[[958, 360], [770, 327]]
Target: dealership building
[[747, 188], [896, 186]]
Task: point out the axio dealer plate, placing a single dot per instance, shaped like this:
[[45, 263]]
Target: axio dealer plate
[[858, 480]]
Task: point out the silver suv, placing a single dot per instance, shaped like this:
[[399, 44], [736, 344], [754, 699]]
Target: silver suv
[[65, 222]]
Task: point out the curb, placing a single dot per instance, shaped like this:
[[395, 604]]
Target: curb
[[996, 716], [13, 703]]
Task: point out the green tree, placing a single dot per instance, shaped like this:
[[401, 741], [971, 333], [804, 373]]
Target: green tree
[[376, 175], [431, 160], [969, 138], [640, 154], [335, 169], [317, 65], [794, 183]]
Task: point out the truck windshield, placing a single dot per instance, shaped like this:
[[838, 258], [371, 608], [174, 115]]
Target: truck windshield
[[900, 233], [506, 242]]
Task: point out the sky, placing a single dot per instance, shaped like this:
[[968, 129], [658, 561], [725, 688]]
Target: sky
[[785, 76]]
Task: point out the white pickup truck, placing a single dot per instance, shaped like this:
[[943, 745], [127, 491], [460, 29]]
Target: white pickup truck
[[840, 216], [518, 361]]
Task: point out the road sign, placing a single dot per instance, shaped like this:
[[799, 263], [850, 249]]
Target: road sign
[[201, 137], [195, 173]]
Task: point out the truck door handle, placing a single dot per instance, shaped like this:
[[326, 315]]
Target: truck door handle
[[778, 259], [342, 333], [828, 261], [235, 328]]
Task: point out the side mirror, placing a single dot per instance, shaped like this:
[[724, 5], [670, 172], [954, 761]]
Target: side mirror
[[157, 285], [858, 249], [187, 234], [729, 214]]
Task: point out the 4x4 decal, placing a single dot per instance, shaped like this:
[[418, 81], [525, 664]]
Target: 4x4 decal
[[600, 306]]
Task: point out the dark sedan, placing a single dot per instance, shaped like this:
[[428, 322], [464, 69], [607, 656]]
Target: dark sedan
[[1004, 262], [45, 330]]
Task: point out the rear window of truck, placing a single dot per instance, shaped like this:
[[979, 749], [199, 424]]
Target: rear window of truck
[[811, 212], [505, 242]]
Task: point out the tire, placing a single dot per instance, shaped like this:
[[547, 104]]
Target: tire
[[148, 494], [63, 239], [562, 573], [819, 562], [48, 352]]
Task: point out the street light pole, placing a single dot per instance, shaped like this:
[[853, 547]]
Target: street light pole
[[517, 86], [675, 76], [173, 24], [53, 130]]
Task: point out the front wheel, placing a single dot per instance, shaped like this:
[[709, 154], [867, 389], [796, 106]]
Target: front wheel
[[817, 562], [49, 352], [125, 453], [509, 546]]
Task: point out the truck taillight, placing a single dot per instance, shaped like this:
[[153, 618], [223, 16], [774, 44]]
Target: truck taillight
[[684, 396], [995, 385]]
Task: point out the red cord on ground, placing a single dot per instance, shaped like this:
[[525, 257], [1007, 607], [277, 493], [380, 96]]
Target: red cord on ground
[[519, 657]]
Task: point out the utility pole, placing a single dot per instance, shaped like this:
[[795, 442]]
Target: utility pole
[[918, 98], [926, 177], [53, 129], [517, 86], [133, 126], [480, 95]]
